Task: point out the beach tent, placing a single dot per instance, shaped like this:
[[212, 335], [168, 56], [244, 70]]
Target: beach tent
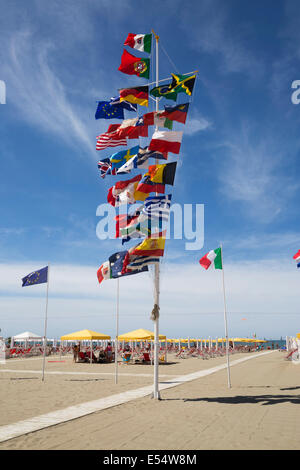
[[298, 335], [84, 335], [26, 337], [139, 335]]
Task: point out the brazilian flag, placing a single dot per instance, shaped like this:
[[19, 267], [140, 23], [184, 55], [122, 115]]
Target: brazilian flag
[[179, 84]]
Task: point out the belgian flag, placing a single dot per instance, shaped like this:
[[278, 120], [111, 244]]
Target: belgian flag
[[155, 179]]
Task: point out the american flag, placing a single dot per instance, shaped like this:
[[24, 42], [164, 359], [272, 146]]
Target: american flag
[[109, 140]]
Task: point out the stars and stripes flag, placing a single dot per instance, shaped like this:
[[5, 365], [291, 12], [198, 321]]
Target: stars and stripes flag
[[109, 140]]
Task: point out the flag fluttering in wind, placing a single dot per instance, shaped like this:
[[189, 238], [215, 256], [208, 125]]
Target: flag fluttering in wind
[[155, 180], [166, 141], [179, 84], [138, 95], [109, 140], [119, 158], [105, 110], [212, 257], [115, 267], [140, 160], [123, 192], [152, 246], [176, 113], [36, 277], [156, 118], [132, 129], [157, 207], [132, 65], [296, 257], [104, 167], [116, 101], [141, 42]]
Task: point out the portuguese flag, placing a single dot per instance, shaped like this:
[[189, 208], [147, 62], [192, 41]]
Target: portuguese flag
[[134, 65], [141, 42], [139, 95], [213, 256]]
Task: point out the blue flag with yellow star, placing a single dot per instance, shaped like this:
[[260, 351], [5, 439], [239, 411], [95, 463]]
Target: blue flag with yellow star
[[108, 110], [36, 277]]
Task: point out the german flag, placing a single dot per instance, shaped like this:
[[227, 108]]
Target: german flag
[[139, 95]]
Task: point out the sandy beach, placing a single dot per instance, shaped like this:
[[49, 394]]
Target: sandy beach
[[258, 412]]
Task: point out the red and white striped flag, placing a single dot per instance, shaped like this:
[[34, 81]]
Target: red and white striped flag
[[109, 140]]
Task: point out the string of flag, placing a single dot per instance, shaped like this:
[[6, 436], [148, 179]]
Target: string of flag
[[154, 210]]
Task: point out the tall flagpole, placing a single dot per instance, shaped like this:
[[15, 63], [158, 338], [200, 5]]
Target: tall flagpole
[[45, 331], [156, 394], [225, 322], [117, 331]]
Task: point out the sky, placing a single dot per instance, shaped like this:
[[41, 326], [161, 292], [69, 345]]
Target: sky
[[239, 161]]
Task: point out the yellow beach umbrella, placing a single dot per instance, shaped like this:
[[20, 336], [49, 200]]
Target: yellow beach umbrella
[[139, 335], [84, 334]]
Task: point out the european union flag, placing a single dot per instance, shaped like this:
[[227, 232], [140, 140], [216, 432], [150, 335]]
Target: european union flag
[[106, 110], [36, 277]]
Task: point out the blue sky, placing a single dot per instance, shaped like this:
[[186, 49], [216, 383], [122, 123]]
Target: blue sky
[[239, 157]]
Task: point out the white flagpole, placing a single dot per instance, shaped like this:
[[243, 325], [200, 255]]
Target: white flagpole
[[156, 394], [45, 331], [225, 322], [117, 331]]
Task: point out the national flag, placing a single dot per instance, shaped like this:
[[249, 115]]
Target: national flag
[[141, 160], [152, 246], [109, 139], [104, 167], [213, 256], [132, 129], [36, 277], [106, 110], [138, 95], [297, 256], [141, 261], [179, 84], [114, 267], [137, 231], [141, 42], [166, 141], [156, 118], [124, 220], [176, 113], [157, 207], [116, 101], [123, 192], [119, 158], [132, 65], [155, 179]]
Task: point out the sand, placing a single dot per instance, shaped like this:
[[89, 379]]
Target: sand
[[258, 412]]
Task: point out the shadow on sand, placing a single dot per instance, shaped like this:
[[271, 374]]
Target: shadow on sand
[[239, 399]]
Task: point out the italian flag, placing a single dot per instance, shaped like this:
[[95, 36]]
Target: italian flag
[[141, 42], [213, 256]]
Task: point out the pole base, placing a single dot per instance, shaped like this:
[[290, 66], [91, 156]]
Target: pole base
[[158, 396]]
